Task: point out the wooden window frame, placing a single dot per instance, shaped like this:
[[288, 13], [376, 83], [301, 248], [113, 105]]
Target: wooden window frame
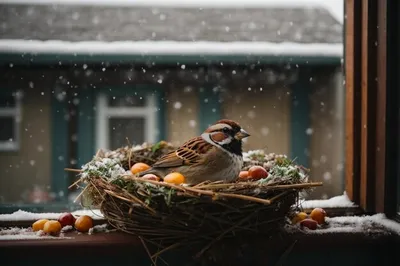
[[106, 112], [372, 104]]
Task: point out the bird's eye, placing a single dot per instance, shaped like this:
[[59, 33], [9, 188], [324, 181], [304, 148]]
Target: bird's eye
[[225, 129]]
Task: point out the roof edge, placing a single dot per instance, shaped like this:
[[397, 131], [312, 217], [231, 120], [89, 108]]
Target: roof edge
[[28, 59], [151, 48]]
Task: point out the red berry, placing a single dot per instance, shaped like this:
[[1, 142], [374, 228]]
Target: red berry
[[66, 219], [257, 172]]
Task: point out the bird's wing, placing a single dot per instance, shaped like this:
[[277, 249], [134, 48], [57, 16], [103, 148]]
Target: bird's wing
[[189, 153]]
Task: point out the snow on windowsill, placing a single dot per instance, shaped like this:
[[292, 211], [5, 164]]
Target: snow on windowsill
[[368, 225], [160, 48], [21, 215], [341, 201], [17, 233]]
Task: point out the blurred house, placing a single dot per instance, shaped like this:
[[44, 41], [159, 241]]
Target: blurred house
[[78, 78]]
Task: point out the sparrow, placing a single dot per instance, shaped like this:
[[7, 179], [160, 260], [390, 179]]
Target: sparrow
[[214, 155]]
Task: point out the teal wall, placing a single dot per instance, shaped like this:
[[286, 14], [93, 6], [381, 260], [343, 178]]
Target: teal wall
[[59, 147], [209, 106], [300, 118]]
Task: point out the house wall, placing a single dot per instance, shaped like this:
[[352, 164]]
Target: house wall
[[265, 115], [182, 112], [327, 139], [29, 166]]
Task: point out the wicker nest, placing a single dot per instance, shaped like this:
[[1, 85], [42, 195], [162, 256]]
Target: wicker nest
[[167, 216]]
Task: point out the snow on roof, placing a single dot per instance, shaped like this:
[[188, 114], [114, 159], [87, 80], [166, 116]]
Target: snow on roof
[[171, 27], [335, 7], [21, 215], [341, 201], [171, 48]]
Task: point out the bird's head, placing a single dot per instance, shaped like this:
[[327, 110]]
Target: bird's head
[[228, 134]]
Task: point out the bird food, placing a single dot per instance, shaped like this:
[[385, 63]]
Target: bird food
[[172, 214]]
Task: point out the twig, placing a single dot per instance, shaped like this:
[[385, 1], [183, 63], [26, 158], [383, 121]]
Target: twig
[[166, 249], [148, 251], [244, 197], [207, 192], [80, 194], [278, 196], [75, 183], [73, 170], [222, 234], [133, 198], [255, 184]]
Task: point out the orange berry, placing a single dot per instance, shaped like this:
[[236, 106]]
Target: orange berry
[[151, 177], [139, 167], [52, 227], [39, 224], [84, 223], [174, 178], [244, 174], [300, 216], [318, 215]]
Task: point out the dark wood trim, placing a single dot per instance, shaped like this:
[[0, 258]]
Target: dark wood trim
[[353, 97], [372, 104], [388, 83], [117, 248], [368, 106], [381, 108]]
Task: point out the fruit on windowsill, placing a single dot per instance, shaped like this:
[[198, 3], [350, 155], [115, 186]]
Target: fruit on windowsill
[[151, 177], [52, 227], [257, 172], [174, 178], [298, 217], [318, 215], [83, 223], [139, 167], [309, 223], [39, 224], [66, 219]]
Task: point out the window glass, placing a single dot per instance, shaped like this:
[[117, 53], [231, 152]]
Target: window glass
[[7, 131], [7, 101], [276, 71]]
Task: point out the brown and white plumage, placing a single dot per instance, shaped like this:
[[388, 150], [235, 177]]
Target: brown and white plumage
[[215, 155]]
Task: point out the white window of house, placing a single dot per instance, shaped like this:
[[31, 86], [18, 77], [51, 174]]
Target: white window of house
[[119, 118], [10, 117]]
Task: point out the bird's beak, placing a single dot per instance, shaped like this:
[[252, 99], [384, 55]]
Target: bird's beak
[[241, 134]]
